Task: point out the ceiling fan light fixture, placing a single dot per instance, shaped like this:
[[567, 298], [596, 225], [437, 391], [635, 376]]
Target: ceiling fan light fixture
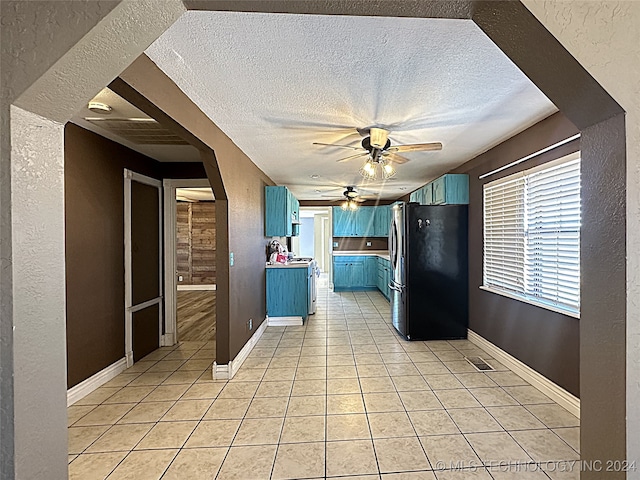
[[99, 107], [378, 137], [387, 170], [368, 170]]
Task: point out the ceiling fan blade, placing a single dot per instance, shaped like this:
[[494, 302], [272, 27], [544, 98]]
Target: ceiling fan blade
[[416, 147], [394, 157], [337, 146], [364, 154]]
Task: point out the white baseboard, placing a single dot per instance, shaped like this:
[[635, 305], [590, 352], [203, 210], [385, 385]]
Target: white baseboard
[[168, 340], [195, 287], [84, 388], [285, 321], [227, 371], [542, 383]]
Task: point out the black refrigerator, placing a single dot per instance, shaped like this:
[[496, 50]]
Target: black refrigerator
[[428, 246]]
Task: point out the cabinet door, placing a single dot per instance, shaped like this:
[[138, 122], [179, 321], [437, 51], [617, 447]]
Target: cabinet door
[[382, 220], [357, 274], [341, 222], [456, 189], [276, 212], [341, 275], [439, 193], [415, 196], [287, 290], [294, 213], [427, 192], [370, 271], [364, 224]]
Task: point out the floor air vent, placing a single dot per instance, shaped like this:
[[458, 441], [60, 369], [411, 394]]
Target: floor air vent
[[480, 364]]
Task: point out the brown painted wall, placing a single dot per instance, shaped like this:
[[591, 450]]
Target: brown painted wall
[[547, 341], [238, 186], [94, 232]]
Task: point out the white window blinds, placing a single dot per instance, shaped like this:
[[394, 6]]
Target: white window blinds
[[532, 235]]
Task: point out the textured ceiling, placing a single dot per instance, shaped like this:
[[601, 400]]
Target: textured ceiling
[[276, 83]]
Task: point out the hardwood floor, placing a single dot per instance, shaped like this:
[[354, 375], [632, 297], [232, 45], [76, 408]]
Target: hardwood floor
[[196, 314]]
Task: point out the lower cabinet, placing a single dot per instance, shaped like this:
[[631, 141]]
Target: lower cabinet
[[288, 291], [361, 272]]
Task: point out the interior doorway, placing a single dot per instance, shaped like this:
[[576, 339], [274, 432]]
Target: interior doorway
[[314, 240], [190, 271]]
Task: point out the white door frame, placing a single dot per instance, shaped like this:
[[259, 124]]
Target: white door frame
[[129, 309], [170, 336]]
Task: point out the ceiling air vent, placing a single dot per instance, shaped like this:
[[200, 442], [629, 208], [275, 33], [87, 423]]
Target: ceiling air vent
[[141, 131], [479, 364]]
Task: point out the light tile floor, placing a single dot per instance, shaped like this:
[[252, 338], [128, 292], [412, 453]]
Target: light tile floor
[[343, 396]]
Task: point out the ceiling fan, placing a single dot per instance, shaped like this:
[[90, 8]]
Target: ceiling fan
[[377, 146], [351, 198]]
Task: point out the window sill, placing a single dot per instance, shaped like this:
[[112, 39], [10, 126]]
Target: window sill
[[531, 302]]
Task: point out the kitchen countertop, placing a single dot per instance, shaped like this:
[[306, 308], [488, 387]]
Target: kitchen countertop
[[298, 264], [377, 253]]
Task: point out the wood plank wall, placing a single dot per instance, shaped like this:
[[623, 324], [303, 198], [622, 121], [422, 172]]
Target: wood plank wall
[[196, 243]]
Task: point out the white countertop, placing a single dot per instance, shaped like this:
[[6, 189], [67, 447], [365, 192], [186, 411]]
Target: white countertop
[[376, 253], [298, 264]]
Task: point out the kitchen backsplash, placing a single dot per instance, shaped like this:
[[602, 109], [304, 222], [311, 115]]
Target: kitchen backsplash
[[360, 243]]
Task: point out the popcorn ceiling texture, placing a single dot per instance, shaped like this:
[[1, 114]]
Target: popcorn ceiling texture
[[605, 38], [276, 83]]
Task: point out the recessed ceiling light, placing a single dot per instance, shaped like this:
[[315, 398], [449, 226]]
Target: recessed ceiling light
[[314, 176], [99, 107], [317, 191]]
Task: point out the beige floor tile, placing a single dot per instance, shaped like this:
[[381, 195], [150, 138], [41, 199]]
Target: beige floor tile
[[316, 361], [421, 475], [372, 371], [146, 412], [309, 387], [401, 369], [249, 375], [340, 386], [395, 357], [259, 431], [182, 376], [120, 438], [432, 422], [475, 380], [165, 366], [259, 458], [420, 400], [213, 433], [279, 374], [352, 457], [347, 427], [554, 416], [130, 394], [511, 472], [121, 380], [497, 447], [227, 408], [267, 407], [544, 445], [305, 406], [473, 474], [335, 360], [506, 379], [311, 373], [377, 384], [342, 371], [390, 424], [80, 438], [410, 383], [433, 368], [570, 471], [303, 429], [515, 418], [400, 454], [383, 402], [76, 412], [274, 389], [144, 465], [71, 457], [445, 451], [166, 393], [474, 420], [368, 359], [196, 464], [527, 395], [300, 460], [200, 390], [458, 398], [255, 362], [423, 357], [105, 414], [167, 435], [98, 396], [150, 379], [239, 390], [195, 364], [493, 397], [352, 403], [141, 366], [94, 466], [571, 435], [187, 410], [442, 381]]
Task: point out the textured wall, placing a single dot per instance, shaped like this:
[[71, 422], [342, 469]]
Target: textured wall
[[605, 38]]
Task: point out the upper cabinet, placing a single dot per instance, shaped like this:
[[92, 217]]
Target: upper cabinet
[[449, 189], [282, 213], [363, 222]]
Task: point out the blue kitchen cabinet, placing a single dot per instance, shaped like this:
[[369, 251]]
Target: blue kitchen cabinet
[[427, 194], [348, 273], [343, 222], [365, 226], [451, 189], [288, 291], [370, 271], [382, 221], [281, 212]]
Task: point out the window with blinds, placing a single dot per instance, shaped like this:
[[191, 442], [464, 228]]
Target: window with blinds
[[532, 235]]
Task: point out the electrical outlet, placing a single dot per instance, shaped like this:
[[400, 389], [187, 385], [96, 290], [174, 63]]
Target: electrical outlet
[[368, 244], [250, 324], [335, 244], [180, 278], [231, 259]]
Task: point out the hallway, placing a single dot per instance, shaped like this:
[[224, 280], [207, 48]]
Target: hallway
[[342, 396]]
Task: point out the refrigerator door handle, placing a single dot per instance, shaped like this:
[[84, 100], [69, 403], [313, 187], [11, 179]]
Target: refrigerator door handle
[[395, 286]]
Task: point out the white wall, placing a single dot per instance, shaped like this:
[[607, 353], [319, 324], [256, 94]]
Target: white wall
[[605, 38]]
